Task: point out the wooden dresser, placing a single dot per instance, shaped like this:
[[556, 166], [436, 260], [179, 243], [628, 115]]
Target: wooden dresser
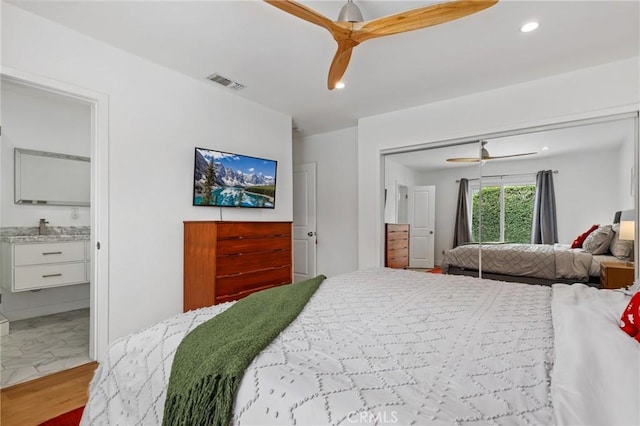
[[226, 261], [396, 244]]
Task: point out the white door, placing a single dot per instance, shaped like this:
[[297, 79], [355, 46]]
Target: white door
[[304, 221], [422, 212]]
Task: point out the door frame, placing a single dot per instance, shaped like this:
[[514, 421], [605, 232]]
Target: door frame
[[99, 153]]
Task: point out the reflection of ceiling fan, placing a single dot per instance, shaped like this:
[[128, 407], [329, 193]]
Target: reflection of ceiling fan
[[485, 156], [351, 29]]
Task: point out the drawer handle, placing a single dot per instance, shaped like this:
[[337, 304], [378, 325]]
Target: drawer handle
[[51, 252], [51, 275]]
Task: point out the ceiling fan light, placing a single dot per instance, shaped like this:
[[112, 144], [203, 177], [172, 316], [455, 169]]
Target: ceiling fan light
[[529, 26], [350, 13]]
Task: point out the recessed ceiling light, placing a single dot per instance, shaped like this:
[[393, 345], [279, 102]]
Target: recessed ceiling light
[[340, 85], [544, 148], [529, 26]]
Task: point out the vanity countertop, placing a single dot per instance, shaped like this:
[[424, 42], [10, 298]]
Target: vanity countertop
[[43, 238], [29, 234]]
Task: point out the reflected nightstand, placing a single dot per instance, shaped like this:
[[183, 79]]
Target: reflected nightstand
[[616, 274]]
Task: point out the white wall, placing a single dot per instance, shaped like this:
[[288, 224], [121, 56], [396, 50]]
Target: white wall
[[595, 91], [335, 155], [581, 200], [156, 118], [626, 172], [396, 174]]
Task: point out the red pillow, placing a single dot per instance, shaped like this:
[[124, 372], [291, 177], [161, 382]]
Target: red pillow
[[577, 243], [630, 320]]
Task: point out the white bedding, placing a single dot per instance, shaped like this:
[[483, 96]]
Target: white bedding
[[596, 376], [596, 259], [376, 346]]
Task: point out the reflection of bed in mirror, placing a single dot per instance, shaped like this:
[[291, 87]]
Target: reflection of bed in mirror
[[529, 263], [542, 264]]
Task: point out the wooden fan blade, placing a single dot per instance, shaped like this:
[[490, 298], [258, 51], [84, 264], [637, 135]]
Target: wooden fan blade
[[340, 62], [463, 160], [509, 156], [296, 9], [418, 18]]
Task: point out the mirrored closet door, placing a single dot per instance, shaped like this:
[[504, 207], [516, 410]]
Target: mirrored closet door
[[511, 207]]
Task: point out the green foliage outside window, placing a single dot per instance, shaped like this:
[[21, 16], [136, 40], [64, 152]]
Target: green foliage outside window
[[518, 213], [490, 214]]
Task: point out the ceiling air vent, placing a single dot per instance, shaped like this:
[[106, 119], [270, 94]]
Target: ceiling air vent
[[217, 78]]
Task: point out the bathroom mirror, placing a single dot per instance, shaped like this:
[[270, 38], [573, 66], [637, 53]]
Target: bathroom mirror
[[49, 178]]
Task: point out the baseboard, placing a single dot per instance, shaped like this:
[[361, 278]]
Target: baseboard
[[39, 311]]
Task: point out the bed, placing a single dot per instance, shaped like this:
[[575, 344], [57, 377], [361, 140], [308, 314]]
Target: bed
[[403, 347], [543, 264]]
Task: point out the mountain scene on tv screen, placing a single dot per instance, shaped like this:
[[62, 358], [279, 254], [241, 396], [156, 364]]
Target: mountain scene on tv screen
[[230, 180]]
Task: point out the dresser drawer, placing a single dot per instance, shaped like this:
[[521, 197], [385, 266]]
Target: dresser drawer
[[253, 245], [41, 276], [35, 254], [240, 230], [233, 265], [231, 287], [401, 262]]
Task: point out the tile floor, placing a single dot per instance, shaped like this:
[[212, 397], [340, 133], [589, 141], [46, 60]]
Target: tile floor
[[36, 347]]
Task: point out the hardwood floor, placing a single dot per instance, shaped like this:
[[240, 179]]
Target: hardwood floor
[[36, 401]]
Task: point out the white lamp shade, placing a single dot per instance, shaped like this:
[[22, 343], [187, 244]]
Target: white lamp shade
[[627, 230], [627, 225]]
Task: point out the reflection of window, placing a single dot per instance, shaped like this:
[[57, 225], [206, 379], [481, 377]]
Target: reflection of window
[[507, 212]]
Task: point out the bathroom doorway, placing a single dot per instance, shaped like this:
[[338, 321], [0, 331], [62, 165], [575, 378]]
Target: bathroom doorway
[[52, 329]]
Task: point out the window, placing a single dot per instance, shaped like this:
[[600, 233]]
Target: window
[[507, 211]]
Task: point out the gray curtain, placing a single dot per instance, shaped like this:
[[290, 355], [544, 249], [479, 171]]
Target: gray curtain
[[462, 230], [544, 229]]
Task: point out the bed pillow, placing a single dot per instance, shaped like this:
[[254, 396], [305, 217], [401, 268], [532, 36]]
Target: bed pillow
[[577, 243], [621, 249], [599, 240]]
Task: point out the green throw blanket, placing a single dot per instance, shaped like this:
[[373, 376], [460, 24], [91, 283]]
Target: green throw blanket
[[212, 358]]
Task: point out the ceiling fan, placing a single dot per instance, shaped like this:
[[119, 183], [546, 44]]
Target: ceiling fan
[[350, 29], [485, 156]]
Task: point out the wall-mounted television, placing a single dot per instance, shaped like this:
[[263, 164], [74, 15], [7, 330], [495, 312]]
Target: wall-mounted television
[[224, 179]]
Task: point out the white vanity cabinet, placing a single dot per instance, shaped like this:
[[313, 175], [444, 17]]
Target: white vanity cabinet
[[37, 265]]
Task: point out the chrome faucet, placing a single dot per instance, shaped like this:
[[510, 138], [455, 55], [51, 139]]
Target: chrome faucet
[[43, 227]]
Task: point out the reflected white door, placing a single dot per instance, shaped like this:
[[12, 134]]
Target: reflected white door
[[422, 212], [304, 221]]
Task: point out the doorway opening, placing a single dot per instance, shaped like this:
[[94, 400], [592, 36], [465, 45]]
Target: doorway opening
[[63, 321]]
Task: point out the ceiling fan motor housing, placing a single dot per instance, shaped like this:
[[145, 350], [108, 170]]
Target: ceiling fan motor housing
[[350, 13]]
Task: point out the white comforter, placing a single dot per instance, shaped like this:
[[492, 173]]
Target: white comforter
[[376, 346], [596, 376]]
